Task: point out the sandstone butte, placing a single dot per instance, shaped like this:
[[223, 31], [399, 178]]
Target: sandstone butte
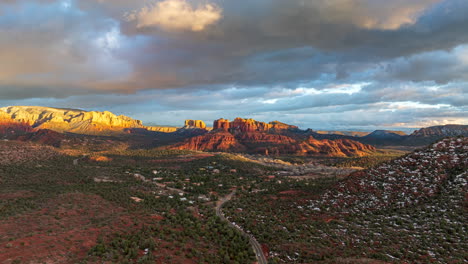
[[249, 135], [249, 125], [195, 124]]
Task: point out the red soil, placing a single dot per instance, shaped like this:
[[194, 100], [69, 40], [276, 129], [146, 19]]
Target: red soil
[[62, 231]]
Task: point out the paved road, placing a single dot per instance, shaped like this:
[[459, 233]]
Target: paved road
[[255, 245]]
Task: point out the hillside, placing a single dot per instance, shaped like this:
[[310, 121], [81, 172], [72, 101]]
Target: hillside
[[403, 182], [442, 131], [409, 210]]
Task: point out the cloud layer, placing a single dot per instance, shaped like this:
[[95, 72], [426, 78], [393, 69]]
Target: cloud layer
[[176, 15], [314, 62]]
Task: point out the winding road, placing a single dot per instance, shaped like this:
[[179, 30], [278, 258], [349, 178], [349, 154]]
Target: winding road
[[255, 245]]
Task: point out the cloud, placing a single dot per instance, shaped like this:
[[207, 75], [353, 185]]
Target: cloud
[[176, 15], [387, 15], [316, 63], [441, 67], [367, 14]]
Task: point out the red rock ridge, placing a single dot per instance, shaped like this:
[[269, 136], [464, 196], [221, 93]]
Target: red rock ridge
[[241, 125], [222, 124], [336, 148], [248, 135], [216, 141]]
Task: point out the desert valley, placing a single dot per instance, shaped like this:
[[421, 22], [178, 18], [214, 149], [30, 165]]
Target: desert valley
[[233, 132], [93, 187]]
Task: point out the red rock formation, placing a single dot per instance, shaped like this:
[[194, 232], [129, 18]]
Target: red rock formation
[[10, 127], [278, 126], [240, 125], [248, 135], [195, 124], [336, 148], [217, 141], [257, 137], [222, 124]]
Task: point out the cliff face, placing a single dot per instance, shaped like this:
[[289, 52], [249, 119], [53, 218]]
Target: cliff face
[[337, 148], [217, 141], [241, 125], [248, 135], [195, 124], [70, 120], [442, 131], [10, 128], [222, 124]]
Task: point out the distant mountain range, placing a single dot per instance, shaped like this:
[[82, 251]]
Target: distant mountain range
[[343, 133], [52, 125]]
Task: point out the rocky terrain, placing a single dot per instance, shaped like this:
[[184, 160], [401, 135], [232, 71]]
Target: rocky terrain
[[195, 124], [442, 131], [408, 210], [70, 120], [274, 138], [403, 182]]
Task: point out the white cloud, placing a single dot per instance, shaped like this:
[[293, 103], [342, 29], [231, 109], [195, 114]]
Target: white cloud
[[176, 15]]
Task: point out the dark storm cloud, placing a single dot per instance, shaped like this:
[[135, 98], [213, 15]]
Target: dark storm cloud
[[261, 56]]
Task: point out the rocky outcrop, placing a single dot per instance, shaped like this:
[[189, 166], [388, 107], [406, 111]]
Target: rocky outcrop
[[242, 125], [195, 124], [279, 126], [442, 131], [248, 135], [221, 124], [70, 120], [217, 141], [336, 148]]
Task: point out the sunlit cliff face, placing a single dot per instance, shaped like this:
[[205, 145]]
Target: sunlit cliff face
[[326, 64]]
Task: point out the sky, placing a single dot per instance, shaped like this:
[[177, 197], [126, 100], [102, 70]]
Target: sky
[[320, 64]]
